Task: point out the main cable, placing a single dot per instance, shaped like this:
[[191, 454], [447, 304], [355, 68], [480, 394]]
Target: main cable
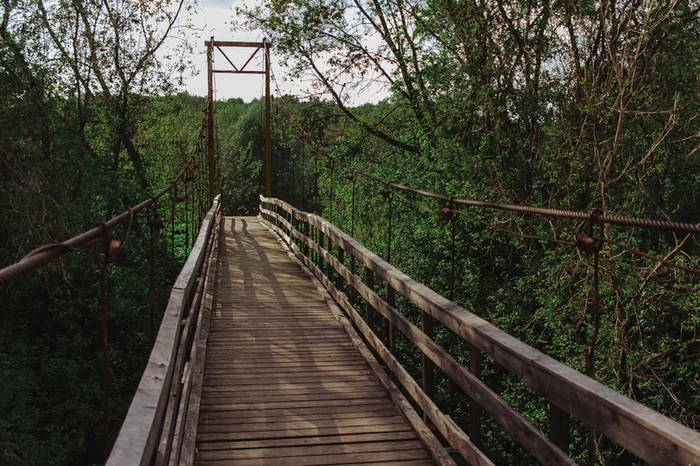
[[47, 253], [594, 215]]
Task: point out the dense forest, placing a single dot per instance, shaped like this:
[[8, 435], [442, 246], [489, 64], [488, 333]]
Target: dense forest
[[565, 104]]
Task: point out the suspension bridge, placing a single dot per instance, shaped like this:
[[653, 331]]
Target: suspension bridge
[[279, 346]]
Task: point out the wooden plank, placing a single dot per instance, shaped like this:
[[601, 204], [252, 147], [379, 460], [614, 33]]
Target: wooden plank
[[308, 451], [272, 362], [282, 348], [289, 396], [302, 386], [329, 439], [289, 399], [296, 418], [281, 352], [265, 373], [351, 458], [263, 359], [174, 453], [338, 423], [294, 410], [237, 380], [229, 342], [399, 426]]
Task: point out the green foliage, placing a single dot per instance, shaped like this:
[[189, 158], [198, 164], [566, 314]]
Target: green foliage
[[535, 103], [526, 102]]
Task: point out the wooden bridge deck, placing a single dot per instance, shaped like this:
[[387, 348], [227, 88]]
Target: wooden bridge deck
[[283, 383]]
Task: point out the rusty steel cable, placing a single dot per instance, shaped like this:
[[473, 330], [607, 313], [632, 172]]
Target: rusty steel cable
[[665, 225], [47, 253], [559, 213], [594, 215]]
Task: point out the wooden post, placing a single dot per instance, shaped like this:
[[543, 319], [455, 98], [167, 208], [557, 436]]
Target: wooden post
[[559, 426], [321, 240], [391, 335], [428, 365], [474, 410], [295, 227], [265, 46], [369, 310], [391, 299], [305, 226], [353, 270], [329, 271], [268, 120], [339, 278], [210, 121]]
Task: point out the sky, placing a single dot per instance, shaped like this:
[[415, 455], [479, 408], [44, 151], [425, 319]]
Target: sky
[[215, 18]]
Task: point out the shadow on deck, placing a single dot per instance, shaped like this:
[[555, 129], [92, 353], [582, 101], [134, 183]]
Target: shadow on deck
[[284, 384]]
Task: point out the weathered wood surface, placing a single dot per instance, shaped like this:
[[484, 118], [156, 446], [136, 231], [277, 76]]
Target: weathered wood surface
[[525, 433], [137, 441], [283, 381], [648, 434]]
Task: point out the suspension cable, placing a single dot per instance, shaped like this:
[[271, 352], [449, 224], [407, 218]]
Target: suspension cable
[[524, 209], [49, 252]]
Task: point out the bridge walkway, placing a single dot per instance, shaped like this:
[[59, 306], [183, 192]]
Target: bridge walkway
[[283, 382]]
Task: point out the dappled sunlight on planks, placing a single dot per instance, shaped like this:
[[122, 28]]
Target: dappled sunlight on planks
[[283, 383]]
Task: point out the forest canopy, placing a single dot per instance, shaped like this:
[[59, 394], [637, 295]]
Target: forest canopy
[[563, 104]]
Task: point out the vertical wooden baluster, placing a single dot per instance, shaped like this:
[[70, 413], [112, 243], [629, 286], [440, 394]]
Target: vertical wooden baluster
[[428, 365], [369, 310], [474, 410], [339, 278], [329, 267], [321, 244], [314, 256], [391, 299], [559, 427]]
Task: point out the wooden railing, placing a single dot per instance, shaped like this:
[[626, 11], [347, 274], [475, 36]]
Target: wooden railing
[[160, 424], [325, 249]]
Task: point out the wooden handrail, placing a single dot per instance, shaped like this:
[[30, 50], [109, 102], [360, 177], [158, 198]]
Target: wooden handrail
[[646, 433], [137, 441]]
